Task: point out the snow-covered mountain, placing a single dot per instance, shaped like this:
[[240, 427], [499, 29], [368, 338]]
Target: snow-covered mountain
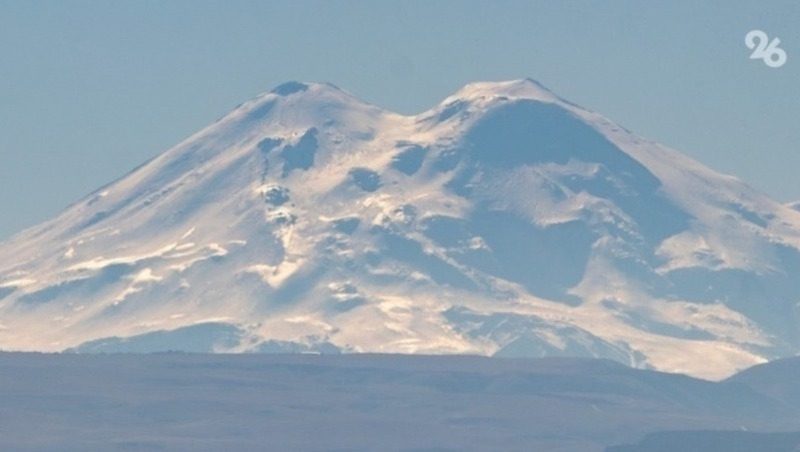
[[504, 221]]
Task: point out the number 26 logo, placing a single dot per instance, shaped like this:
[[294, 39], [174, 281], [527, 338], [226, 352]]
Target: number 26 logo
[[764, 49]]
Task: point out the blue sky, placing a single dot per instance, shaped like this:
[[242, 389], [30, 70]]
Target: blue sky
[[89, 90]]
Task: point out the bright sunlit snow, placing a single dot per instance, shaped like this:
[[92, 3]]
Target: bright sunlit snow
[[504, 220]]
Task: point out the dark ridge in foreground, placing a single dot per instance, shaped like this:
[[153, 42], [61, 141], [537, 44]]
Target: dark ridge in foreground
[[714, 441], [178, 401]]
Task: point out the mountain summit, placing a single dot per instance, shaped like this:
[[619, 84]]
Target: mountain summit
[[503, 221]]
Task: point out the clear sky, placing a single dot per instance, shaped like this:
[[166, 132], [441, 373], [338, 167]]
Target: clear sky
[[90, 89]]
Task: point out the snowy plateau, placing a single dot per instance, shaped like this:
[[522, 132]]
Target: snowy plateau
[[505, 221]]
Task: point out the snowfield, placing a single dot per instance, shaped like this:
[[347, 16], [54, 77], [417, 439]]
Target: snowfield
[[504, 220]]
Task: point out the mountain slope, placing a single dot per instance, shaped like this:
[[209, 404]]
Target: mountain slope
[[776, 379], [504, 220]]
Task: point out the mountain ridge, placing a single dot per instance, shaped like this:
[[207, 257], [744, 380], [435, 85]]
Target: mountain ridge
[[378, 401]]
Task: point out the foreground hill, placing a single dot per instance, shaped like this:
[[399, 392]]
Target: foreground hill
[[369, 402]]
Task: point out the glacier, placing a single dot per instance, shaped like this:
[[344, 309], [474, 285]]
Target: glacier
[[504, 221]]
